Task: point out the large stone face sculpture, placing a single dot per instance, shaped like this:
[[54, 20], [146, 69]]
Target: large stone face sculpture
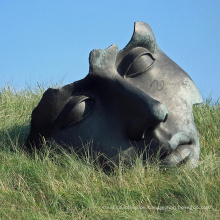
[[131, 100]]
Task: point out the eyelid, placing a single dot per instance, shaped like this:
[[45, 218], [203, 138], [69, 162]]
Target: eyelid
[[62, 119], [147, 68]]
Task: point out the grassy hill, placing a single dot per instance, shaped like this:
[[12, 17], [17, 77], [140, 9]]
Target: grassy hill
[[51, 185]]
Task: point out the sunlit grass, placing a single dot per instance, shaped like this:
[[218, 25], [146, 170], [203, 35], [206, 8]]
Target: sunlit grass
[[52, 185]]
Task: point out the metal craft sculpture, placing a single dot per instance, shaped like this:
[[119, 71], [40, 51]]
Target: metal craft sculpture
[[131, 100]]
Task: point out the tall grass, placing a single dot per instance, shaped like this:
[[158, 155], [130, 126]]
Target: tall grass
[[52, 185]]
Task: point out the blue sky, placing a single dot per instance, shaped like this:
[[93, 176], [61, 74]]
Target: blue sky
[[48, 41]]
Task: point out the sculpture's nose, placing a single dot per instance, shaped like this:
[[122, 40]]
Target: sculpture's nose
[[160, 112], [139, 110], [134, 108]]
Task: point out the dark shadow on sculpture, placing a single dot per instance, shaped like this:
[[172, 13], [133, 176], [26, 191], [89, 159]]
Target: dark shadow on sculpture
[[130, 99]]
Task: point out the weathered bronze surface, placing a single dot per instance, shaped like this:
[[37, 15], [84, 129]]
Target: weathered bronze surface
[[131, 100]]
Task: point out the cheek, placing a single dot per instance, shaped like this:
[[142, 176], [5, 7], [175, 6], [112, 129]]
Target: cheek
[[80, 134], [142, 81], [151, 85]]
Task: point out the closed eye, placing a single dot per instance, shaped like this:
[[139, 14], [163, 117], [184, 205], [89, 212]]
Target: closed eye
[[141, 64], [136, 61], [75, 111]]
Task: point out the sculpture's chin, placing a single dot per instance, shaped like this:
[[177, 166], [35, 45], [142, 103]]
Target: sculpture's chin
[[183, 154]]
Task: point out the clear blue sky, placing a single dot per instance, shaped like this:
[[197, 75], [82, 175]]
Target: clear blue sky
[[50, 40]]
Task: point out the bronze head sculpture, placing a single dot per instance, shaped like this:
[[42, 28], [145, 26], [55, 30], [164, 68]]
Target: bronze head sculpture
[[132, 99]]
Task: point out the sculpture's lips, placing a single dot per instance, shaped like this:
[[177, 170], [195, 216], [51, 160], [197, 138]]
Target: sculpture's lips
[[182, 154], [178, 139], [180, 148], [177, 150]]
